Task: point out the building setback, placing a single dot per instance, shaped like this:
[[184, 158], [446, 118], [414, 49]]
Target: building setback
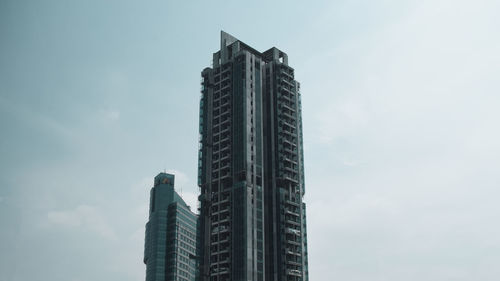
[[171, 234], [250, 168]]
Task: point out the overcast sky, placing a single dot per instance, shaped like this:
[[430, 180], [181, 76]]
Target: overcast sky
[[401, 130]]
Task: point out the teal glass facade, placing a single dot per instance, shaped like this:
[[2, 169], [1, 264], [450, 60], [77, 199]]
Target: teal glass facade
[[171, 243], [250, 167]]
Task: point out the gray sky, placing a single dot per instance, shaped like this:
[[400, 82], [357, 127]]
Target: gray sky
[[401, 134]]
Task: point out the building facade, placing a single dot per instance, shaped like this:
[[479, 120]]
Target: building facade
[[171, 235], [250, 168]]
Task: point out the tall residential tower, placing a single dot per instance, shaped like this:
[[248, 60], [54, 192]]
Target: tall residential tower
[[251, 172]]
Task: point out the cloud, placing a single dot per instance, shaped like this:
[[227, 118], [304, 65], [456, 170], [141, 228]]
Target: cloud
[[84, 217], [113, 115], [414, 101], [344, 118], [108, 115], [36, 119]]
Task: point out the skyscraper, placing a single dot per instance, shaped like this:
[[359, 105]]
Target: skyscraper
[[171, 234], [250, 168]]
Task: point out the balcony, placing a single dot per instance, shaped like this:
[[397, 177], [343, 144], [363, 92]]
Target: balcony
[[292, 222], [292, 213], [293, 203], [292, 231], [287, 106], [294, 272], [220, 229], [292, 252], [291, 242], [286, 114], [226, 260], [294, 263]]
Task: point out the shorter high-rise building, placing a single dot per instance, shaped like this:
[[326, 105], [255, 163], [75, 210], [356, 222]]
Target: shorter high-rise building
[[170, 250]]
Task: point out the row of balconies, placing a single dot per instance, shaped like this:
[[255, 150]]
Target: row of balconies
[[285, 123], [288, 72], [222, 115], [221, 214], [287, 151], [220, 231], [221, 170], [285, 113], [219, 271], [218, 94], [292, 252], [286, 176], [217, 138], [220, 219], [222, 104], [221, 239], [291, 172], [292, 231], [289, 160], [223, 210], [225, 100], [294, 272], [224, 155], [293, 262], [292, 222], [289, 167], [287, 105], [221, 259], [216, 250], [216, 164], [226, 172], [286, 92], [286, 131], [221, 129], [224, 196], [220, 248], [220, 136], [292, 139], [287, 80], [221, 141], [292, 213], [222, 76], [221, 81], [286, 95], [224, 85], [221, 120], [291, 202], [292, 242], [218, 205], [288, 118], [221, 146], [220, 228]]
